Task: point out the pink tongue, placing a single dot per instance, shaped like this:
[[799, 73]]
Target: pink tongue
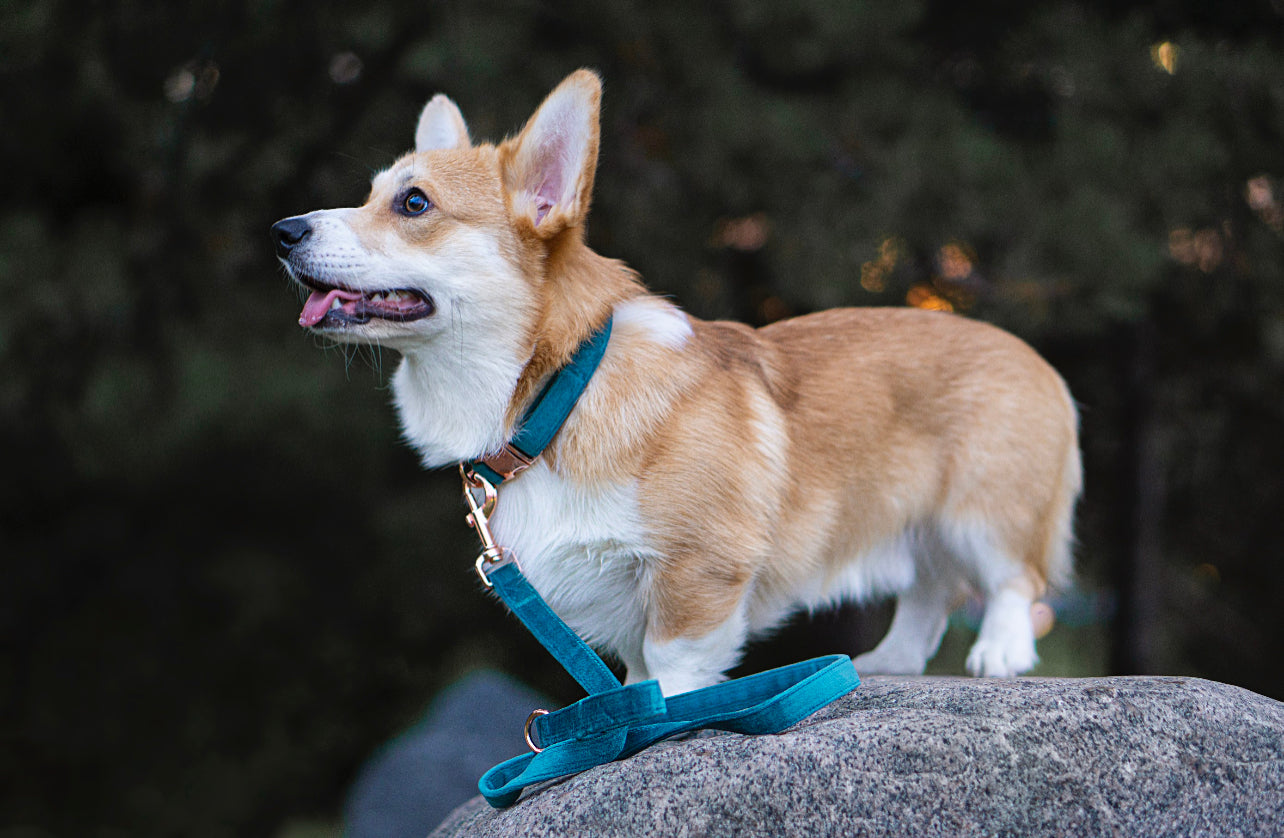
[[319, 303]]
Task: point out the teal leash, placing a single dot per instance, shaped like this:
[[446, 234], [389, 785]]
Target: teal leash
[[613, 721]]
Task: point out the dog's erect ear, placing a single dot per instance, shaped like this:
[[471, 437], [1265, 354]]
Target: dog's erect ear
[[549, 166], [441, 125]]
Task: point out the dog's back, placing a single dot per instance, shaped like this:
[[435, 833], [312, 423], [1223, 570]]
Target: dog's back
[[848, 454]]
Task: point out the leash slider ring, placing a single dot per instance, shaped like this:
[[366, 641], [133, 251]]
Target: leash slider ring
[[530, 720]]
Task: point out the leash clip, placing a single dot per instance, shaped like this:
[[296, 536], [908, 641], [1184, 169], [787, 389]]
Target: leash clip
[[492, 555]]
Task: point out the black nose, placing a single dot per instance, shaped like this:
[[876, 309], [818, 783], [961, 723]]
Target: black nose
[[288, 232]]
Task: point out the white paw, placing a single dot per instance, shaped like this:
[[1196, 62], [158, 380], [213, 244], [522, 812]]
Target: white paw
[[1001, 657], [880, 661]]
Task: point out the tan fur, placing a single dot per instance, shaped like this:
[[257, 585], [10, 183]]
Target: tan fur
[[891, 415], [767, 463]]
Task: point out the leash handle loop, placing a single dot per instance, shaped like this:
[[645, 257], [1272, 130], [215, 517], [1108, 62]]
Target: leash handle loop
[[571, 742]]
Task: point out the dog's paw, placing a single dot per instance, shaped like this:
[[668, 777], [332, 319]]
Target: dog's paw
[[1001, 658], [880, 661]]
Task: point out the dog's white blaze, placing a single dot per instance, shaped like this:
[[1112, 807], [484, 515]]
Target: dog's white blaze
[[479, 297], [658, 319], [584, 550]]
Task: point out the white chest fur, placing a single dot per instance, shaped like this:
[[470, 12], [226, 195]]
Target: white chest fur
[[584, 550]]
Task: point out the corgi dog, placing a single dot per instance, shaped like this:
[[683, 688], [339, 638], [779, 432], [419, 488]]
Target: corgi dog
[[713, 479]]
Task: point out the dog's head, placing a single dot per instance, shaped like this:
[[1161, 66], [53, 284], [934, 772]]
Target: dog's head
[[454, 238]]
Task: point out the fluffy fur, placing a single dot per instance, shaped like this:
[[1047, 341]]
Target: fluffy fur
[[713, 478]]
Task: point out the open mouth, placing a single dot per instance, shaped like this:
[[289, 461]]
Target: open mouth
[[330, 305]]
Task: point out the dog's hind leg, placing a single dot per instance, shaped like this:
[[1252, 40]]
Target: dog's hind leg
[[917, 627], [1005, 643]]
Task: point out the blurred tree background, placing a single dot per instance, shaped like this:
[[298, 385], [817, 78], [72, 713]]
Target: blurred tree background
[[226, 579]]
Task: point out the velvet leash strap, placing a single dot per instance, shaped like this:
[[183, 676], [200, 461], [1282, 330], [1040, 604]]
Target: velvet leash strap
[[556, 636], [614, 721]]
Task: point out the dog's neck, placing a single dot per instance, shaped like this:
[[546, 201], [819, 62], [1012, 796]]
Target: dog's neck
[[580, 290], [461, 398], [453, 404]]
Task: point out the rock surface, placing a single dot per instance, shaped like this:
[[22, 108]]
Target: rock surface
[[944, 756]]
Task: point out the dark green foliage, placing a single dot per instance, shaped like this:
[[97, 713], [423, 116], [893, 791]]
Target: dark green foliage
[[226, 579]]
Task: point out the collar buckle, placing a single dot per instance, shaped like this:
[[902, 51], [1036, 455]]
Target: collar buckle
[[509, 461]]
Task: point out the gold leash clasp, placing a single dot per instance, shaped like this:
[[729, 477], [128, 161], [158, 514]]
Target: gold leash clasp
[[482, 497]]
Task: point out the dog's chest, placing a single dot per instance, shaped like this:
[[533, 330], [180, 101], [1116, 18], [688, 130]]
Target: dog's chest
[[584, 550]]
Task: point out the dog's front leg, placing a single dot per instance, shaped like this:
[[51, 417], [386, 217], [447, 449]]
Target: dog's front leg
[[635, 667], [694, 633], [682, 664]]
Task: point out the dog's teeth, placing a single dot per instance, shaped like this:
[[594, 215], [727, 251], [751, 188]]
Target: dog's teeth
[[378, 298], [335, 304], [394, 296]]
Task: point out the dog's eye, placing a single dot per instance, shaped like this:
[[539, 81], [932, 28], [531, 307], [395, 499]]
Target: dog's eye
[[415, 203]]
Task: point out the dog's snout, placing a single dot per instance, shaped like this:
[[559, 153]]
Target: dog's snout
[[288, 232]]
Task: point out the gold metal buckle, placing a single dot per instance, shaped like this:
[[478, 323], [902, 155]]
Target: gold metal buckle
[[508, 461], [530, 720], [492, 555]]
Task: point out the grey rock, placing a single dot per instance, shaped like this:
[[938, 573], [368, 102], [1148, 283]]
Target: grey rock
[[944, 756]]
